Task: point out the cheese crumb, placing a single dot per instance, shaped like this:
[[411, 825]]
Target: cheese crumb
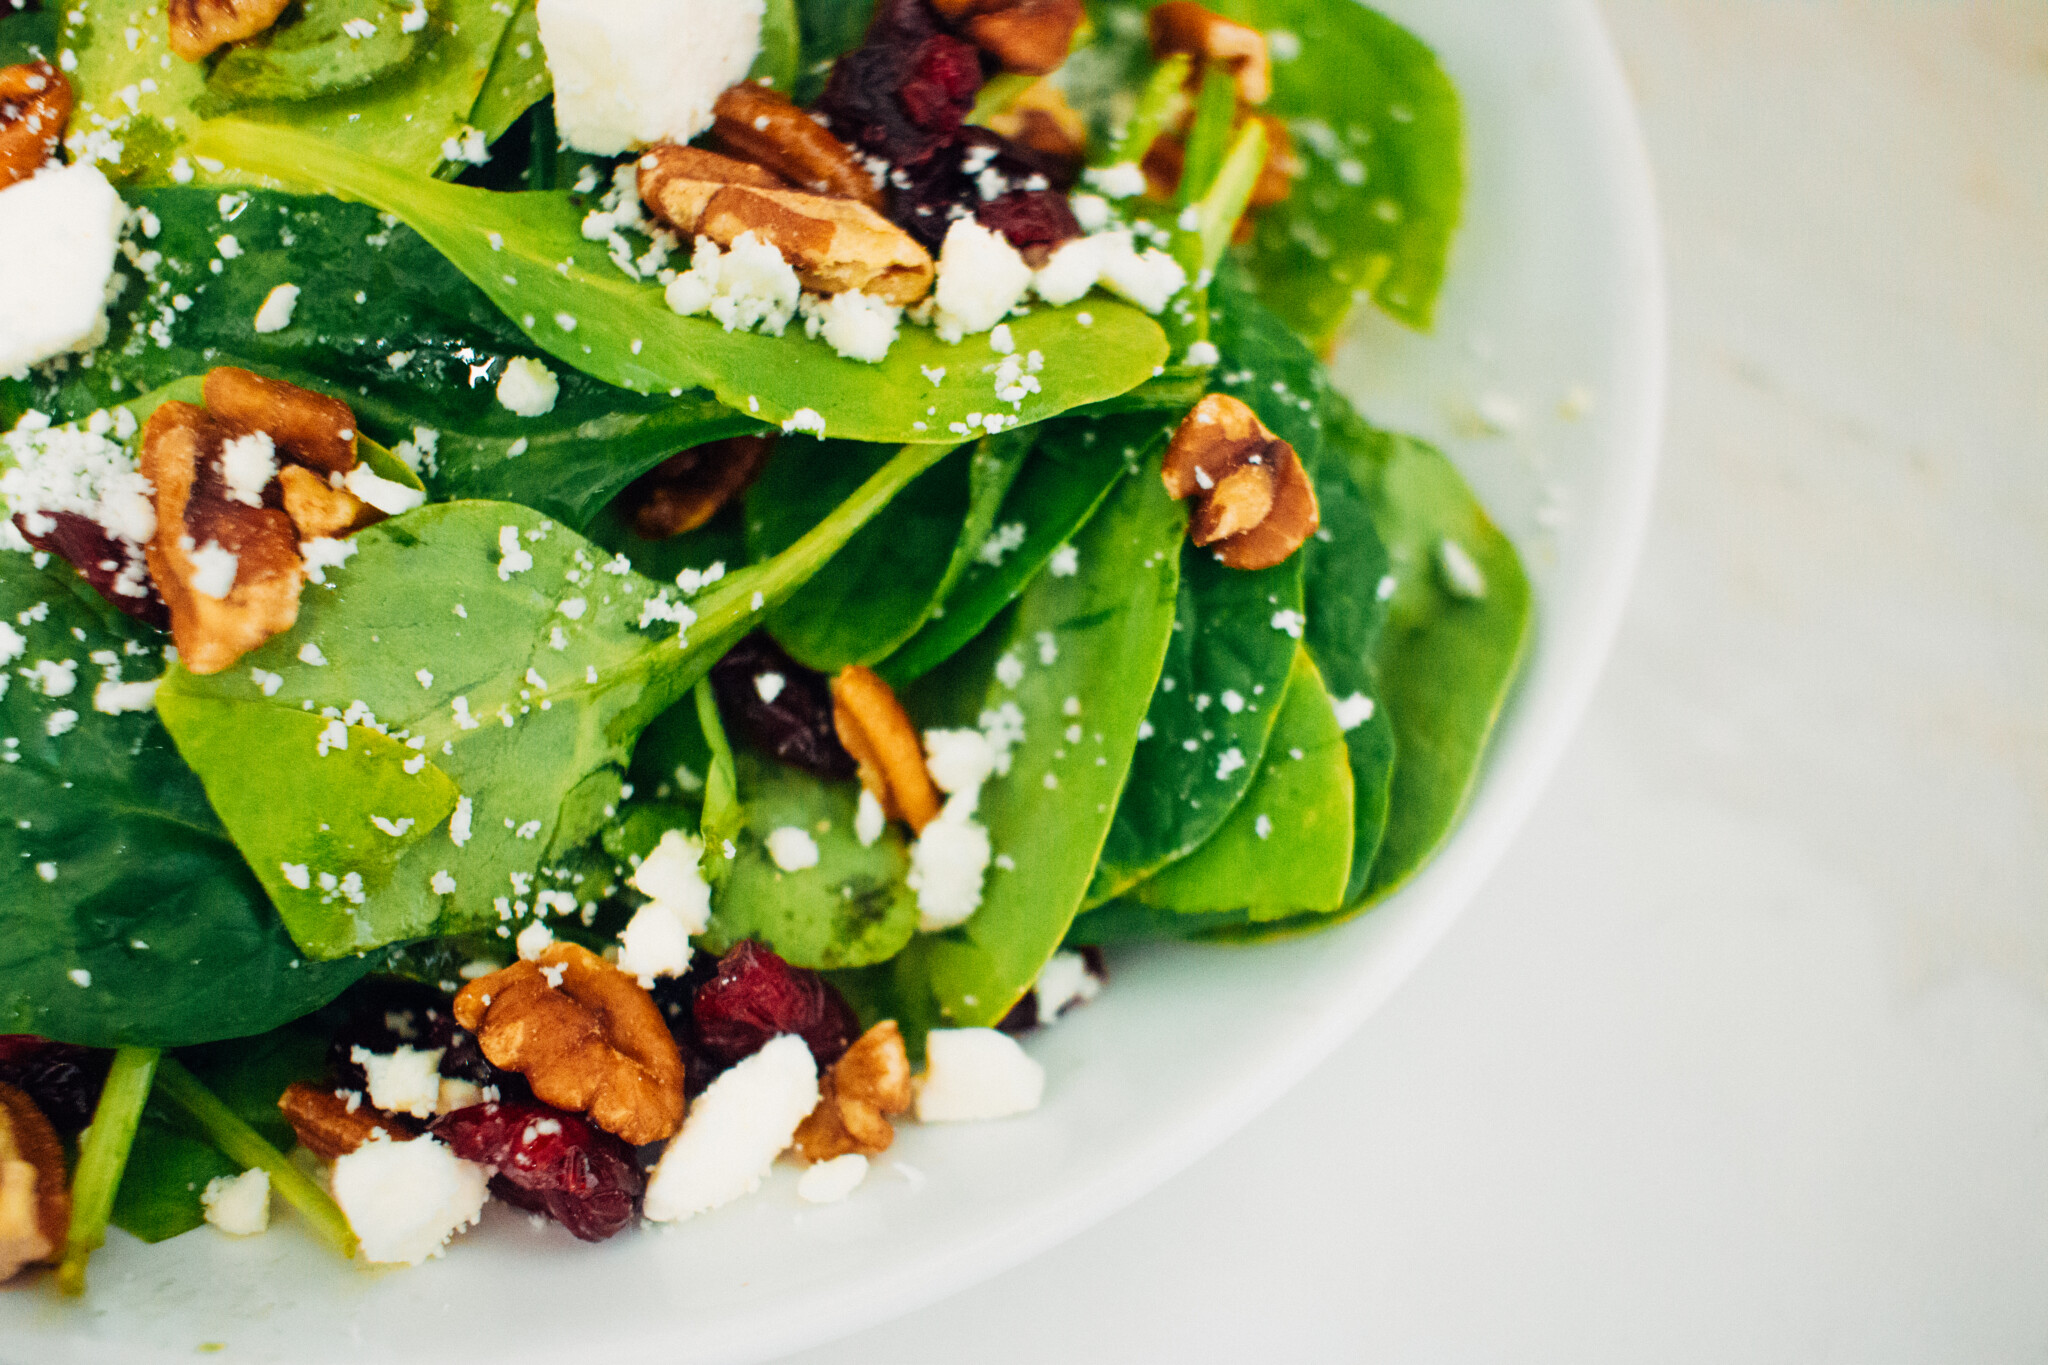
[[404, 1200], [214, 569], [278, 306], [981, 278], [59, 232], [528, 388], [853, 324], [407, 1081], [629, 74], [247, 465], [746, 288], [1353, 711], [828, 1182], [869, 820], [114, 698], [1463, 578], [388, 496], [656, 941], [792, 849], [734, 1131], [976, 1073], [238, 1205]]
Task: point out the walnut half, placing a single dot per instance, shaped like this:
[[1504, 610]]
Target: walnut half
[[200, 26], [1031, 37], [35, 1202], [1253, 500], [1183, 26], [585, 1035], [35, 105], [857, 1096]]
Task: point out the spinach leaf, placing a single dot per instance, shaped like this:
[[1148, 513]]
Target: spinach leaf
[[167, 1168], [1286, 849], [1079, 656], [825, 29], [781, 46], [382, 322], [318, 47], [134, 130], [519, 77], [1070, 470], [527, 252], [481, 674], [123, 905], [28, 36]]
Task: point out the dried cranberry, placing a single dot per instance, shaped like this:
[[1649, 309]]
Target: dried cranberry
[[673, 996], [550, 1162], [106, 563], [63, 1080], [1010, 188], [790, 721], [902, 94], [756, 995]]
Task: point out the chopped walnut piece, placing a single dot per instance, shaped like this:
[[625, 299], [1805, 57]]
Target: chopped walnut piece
[[762, 126], [1042, 121], [857, 1096], [35, 1201], [1253, 500], [1031, 37], [585, 1035], [1183, 26], [884, 744], [310, 428], [686, 490], [834, 245], [330, 1126], [221, 608], [200, 26], [35, 104], [677, 182], [1277, 176], [318, 508]]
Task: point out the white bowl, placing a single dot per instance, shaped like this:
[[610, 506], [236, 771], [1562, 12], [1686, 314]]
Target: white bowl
[[1555, 286]]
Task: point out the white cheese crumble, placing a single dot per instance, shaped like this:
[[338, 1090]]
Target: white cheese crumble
[[869, 820], [213, 569], [59, 232], [77, 468], [1462, 575], [238, 1205], [629, 73], [407, 1081], [746, 288], [981, 278], [247, 465], [803, 419], [323, 554], [528, 388], [828, 1182], [1121, 181], [792, 849], [278, 306], [1203, 353], [656, 941], [1063, 981], [734, 1131], [114, 698], [513, 557], [1353, 711], [388, 496], [1148, 278], [853, 324], [976, 1073], [535, 939], [404, 1200]]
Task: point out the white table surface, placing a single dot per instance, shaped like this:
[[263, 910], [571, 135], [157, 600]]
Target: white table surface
[[1743, 1053]]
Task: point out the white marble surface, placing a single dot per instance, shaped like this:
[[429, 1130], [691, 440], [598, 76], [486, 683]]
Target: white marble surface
[[1743, 1054]]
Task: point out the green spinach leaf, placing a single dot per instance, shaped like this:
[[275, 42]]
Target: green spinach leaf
[[28, 36], [519, 77], [781, 46], [167, 1168], [319, 47], [826, 28]]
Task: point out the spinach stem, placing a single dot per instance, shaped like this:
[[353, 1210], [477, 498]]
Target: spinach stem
[[102, 1156], [1159, 105], [1231, 192], [1209, 136], [244, 1146], [722, 818], [542, 151]]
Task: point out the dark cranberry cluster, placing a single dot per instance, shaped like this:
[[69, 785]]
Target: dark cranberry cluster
[[60, 1079], [793, 722], [551, 1163], [389, 1013], [102, 561]]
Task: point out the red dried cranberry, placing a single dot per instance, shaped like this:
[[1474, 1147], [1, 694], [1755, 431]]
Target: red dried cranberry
[[673, 996], [756, 995], [391, 1012], [62, 1079], [796, 725], [1034, 221], [904, 91], [1010, 188], [550, 1162], [102, 561]]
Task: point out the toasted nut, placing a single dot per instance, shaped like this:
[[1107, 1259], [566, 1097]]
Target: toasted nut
[[1031, 37], [857, 1096], [883, 742], [311, 428], [35, 1202], [1183, 26], [318, 508], [200, 26], [329, 1125], [1251, 492], [754, 122], [677, 182], [181, 448], [686, 490], [1276, 177], [35, 104], [1041, 119], [834, 245], [585, 1035]]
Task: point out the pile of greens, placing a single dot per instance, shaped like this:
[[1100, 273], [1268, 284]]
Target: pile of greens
[[1208, 754]]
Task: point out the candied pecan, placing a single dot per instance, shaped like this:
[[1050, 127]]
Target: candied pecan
[[1042, 122], [587, 1037], [1253, 499], [35, 104], [834, 245], [1183, 26], [318, 508], [904, 92], [1031, 37], [310, 428], [857, 1096], [675, 183], [687, 489], [762, 126], [200, 26], [331, 1123], [873, 727], [181, 448], [35, 1201], [783, 708]]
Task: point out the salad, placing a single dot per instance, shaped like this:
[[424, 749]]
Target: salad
[[596, 594]]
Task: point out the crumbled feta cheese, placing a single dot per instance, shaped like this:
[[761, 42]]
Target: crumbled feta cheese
[[869, 820], [213, 569], [535, 939], [1461, 573], [1063, 980], [948, 864], [442, 883], [59, 232], [528, 388], [1232, 761], [828, 1182], [1203, 353], [470, 146], [734, 1131], [238, 1205], [404, 1200], [981, 278], [513, 557], [457, 1094], [1091, 211], [959, 760], [656, 941], [745, 288], [77, 469], [323, 554], [853, 324], [1353, 711], [768, 686], [247, 465], [629, 73], [386, 495], [976, 1073], [458, 823], [1065, 562], [792, 849], [278, 306], [113, 698], [407, 1081], [1148, 279], [1121, 181], [55, 677], [803, 419]]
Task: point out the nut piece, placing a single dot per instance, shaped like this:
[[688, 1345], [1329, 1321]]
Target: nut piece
[[1042, 121], [677, 182], [1183, 26], [318, 508], [200, 26], [883, 742], [857, 1096], [329, 1127], [181, 449], [834, 245], [1253, 498], [1031, 37], [35, 104], [35, 1202], [756, 123], [686, 490], [311, 428], [585, 1035]]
